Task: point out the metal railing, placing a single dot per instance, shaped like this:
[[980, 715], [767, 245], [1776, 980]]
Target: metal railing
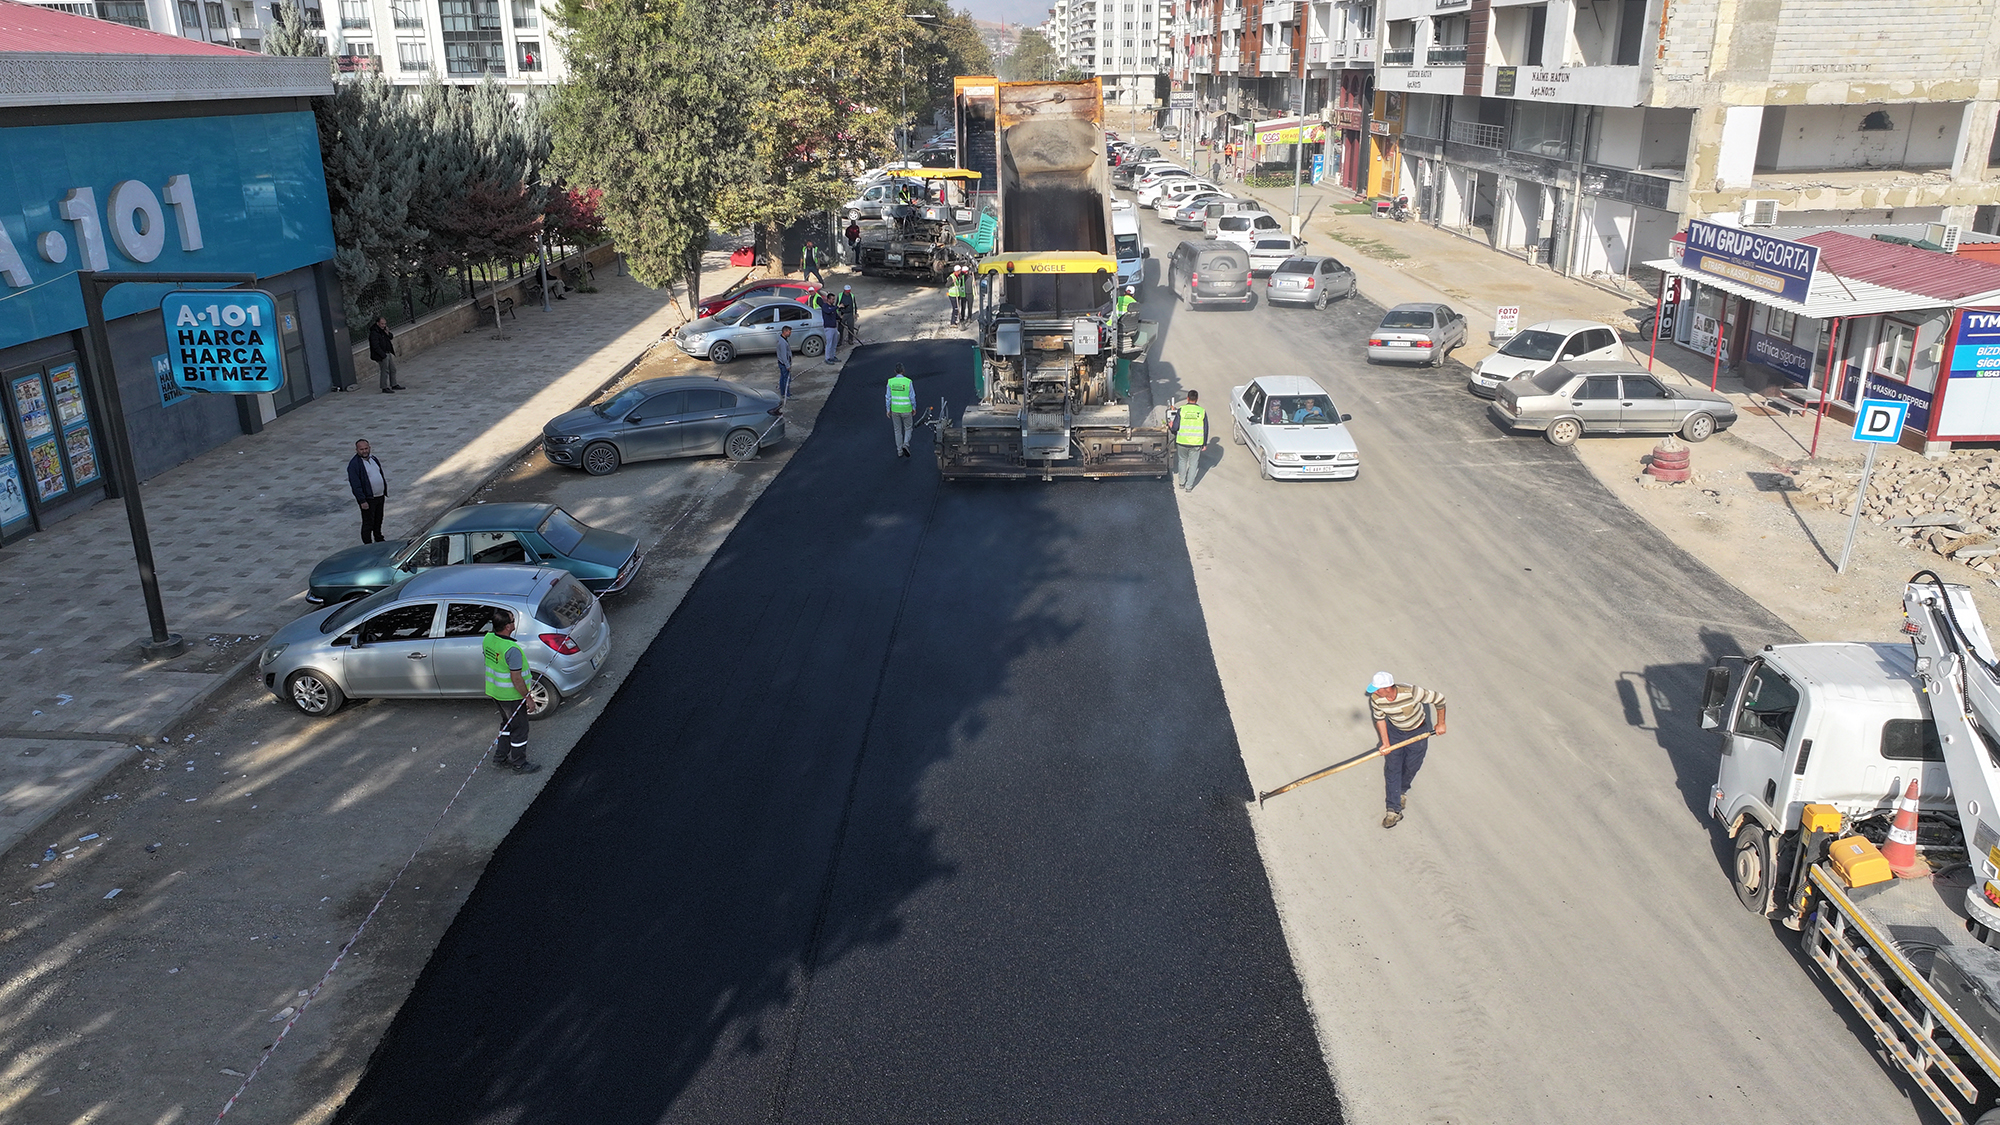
[[1443, 55], [1232, 21], [1229, 62], [1478, 135], [1399, 56]]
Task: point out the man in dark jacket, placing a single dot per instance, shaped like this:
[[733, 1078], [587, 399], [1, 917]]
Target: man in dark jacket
[[829, 318], [382, 349], [370, 486]]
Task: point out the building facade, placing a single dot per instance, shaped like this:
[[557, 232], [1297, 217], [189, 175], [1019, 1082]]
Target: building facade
[[1584, 135], [134, 151], [408, 41], [1124, 43]]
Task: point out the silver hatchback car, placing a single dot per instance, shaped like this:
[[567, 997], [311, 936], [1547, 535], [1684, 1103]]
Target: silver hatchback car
[[424, 637], [752, 325]]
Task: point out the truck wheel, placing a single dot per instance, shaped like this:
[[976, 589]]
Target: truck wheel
[[1755, 869]]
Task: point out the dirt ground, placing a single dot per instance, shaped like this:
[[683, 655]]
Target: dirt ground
[[1741, 516]]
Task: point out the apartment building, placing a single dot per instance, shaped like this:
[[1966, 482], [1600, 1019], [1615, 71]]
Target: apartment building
[[408, 41], [1122, 42], [1252, 63], [1586, 133]]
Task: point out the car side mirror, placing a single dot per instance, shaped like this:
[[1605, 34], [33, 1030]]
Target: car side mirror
[[1714, 693], [354, 640], [1347, 417], [633, 418]]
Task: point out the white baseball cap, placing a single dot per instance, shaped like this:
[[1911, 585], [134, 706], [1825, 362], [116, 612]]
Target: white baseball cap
[[1381, 680]]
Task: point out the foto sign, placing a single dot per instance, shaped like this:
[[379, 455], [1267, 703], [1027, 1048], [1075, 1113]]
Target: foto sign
[[1506, 320], [1777, 266], [1880, 420], [223, 341]]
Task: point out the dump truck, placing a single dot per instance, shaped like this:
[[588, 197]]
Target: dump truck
[[1053, 365], [1820, 743]]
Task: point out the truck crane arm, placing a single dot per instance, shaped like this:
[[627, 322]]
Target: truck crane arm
[[1955, 661]]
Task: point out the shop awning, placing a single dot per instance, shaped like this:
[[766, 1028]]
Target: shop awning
[[1285, 131], [1864, 276]]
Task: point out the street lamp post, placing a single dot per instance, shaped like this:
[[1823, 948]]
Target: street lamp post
[[903, 87]]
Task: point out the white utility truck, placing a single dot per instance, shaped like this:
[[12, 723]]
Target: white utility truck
[[1819, 744]]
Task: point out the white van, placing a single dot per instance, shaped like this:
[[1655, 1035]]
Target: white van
[[1212, 225], [1245, 227], [1131, 252]]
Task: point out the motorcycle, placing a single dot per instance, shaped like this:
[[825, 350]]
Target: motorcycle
[[1401, 210]]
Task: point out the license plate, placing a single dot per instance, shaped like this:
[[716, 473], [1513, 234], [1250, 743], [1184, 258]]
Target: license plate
[[1398, 343], [1316, 468], [893, 259], [595, 661]]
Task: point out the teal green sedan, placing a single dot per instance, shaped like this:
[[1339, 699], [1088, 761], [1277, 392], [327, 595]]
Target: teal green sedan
[[604, 561]]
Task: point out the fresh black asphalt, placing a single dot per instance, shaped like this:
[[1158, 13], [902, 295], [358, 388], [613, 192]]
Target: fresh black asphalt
[[924, 807]]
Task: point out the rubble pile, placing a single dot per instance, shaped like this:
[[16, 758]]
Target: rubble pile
[[1950, 508]]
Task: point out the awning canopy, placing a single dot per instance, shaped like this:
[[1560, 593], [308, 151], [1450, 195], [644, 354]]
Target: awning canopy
[[1864, 277], [1285, 131]]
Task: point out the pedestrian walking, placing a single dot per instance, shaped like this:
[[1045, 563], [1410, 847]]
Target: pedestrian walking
[[382, 349], [1189, 426], [829, 319], [507, 687], [853, 233], [785, 362], [809, 264], [900, 402], [370, 486], [850, 326], [956, 291], [1402, 711]]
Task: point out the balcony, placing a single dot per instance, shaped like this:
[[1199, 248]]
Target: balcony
[[1399, 56], [1361, 50], [1232, 21], [1228, 62], [1283, 11], [1477, 135], [1199, 64], [1275, 62], [1318, 51], [354, 23], [1445, 55]]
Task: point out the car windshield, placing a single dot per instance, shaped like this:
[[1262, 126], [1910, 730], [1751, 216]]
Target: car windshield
[[562, 531], [353, 611], [1296, 265], [1299, 410], [622, 405], [1128, 245], [1407, 318], [733, 313], [1550, 381], [1534, 344], [566, 603]]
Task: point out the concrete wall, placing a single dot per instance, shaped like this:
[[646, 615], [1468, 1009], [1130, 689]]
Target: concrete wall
[[1813, 137], [453, 321]]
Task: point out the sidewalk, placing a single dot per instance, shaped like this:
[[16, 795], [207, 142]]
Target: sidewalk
[[1399, 262], [236, 531]]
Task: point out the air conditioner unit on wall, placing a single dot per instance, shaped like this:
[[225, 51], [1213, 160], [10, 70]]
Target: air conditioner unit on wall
[[1943, 234], [1760, 212]]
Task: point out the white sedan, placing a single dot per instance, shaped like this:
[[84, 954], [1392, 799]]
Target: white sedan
[[1291, 426]]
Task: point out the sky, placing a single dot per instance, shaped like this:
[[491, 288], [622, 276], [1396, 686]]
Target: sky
[[1029, 12]]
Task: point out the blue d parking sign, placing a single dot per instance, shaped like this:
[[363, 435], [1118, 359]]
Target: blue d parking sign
[[223, 341], [1880, 420]]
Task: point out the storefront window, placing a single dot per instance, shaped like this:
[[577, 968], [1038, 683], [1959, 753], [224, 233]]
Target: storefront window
[[52, 450], [1899, 344]]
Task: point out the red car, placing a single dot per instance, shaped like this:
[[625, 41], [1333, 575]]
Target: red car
[[799, 291]]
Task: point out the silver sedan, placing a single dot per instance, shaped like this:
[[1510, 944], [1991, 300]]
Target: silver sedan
[[752, 325], [424, 637], [1572, 399], [1291, 426], [1424, 332]]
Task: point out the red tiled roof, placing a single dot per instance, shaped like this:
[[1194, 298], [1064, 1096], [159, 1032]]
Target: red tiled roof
[[28, 29], [1947, 277]]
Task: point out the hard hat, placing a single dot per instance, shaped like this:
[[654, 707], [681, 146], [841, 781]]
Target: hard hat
[[847, 289], [1381, 680]]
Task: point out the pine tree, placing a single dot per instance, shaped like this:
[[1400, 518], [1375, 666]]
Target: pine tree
[[291, 36], [370, 143]]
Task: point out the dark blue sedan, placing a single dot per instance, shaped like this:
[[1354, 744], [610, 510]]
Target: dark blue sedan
[[604, 561]]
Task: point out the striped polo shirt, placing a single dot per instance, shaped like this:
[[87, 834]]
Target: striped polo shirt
[[1407, 712]]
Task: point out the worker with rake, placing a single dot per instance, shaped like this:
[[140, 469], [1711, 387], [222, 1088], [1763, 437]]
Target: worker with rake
[[1404, 710]]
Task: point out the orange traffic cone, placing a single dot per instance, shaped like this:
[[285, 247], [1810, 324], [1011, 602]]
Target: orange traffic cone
[[1901, 848]]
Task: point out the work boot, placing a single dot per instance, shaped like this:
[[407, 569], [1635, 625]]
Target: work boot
[[1391, 818], [525, 766]]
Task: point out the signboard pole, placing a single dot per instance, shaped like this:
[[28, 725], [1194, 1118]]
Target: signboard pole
[[1854, 518], [124, 472], [1298, 152], [1715, 376], [1878, 422], [1659, 307]]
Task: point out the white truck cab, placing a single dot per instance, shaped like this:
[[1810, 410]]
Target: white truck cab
[[1131, 251]]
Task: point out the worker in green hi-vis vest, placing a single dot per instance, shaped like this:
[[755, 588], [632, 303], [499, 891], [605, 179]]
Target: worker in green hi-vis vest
[[901, 404], [507, 686]]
